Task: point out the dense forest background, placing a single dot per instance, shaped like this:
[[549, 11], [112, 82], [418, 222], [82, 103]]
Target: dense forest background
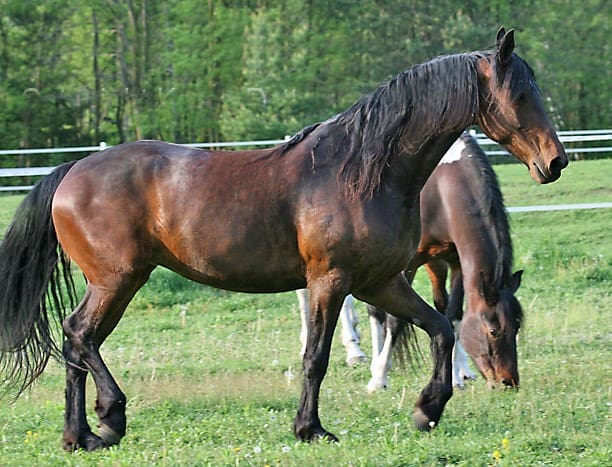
[[76, 73]]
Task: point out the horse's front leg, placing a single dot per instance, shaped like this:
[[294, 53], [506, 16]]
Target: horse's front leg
[[399, 299], [303, 297], [348, 319], [454, 313], [326, 296]]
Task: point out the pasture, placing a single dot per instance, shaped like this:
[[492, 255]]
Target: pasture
[[214, 378]]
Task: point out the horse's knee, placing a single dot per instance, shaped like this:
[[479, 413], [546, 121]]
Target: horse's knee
[[444, 336]]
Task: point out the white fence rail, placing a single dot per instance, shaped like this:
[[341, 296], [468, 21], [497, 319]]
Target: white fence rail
[[582, 137], [559, 207]]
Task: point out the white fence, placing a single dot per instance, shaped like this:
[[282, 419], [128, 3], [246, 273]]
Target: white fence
[[582, 137]]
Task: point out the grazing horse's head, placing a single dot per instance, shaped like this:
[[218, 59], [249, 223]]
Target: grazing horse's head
[[511, 111], [489, 329]]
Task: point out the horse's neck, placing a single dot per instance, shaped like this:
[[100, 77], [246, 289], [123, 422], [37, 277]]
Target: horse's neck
[[412, 171]]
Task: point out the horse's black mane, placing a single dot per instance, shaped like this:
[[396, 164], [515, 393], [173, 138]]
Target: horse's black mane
[[517, 77], [402, 115], [398, 118], [493, 211]]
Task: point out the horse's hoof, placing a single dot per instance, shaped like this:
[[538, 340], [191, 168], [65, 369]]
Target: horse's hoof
[[110, 436], [88, 442], [316, 435], [375, 386], [422, 421], [459, 385], [326, 436], [356, 360]]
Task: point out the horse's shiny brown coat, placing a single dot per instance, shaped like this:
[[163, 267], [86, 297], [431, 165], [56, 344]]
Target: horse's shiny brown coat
[[335, 209]]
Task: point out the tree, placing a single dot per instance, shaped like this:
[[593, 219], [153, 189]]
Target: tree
[[187, 70]]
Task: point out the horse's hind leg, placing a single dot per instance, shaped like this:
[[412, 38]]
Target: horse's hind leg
[[77, 433], [86, 329]]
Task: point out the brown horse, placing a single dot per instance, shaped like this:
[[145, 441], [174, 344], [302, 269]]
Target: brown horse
[[470, 235], [464, 228], [334, 209]]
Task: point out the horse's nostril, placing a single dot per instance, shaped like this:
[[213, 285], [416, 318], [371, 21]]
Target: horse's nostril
[[558, 164]]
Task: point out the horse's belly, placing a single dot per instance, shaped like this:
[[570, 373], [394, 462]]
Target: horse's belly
[[240, 263]]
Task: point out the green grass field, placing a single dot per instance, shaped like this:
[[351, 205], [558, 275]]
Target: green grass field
[[214, 378]]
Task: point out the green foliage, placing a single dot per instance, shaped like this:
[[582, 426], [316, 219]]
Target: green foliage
[[213, 377], [74, 74]]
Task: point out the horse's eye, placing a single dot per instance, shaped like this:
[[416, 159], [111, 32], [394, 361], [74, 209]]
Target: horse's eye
[[494, 332]]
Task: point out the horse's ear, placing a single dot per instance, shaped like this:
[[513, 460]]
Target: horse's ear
[[515, 281], [501, 32], [505, 47]]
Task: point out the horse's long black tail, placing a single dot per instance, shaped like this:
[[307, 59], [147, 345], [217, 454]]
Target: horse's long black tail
[[32, 269]]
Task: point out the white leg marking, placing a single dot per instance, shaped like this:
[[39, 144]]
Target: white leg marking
[[350, 335], [461, 363], [303, 301], [348, 319], [381, 361]]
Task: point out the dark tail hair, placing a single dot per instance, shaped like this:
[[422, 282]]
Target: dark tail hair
[[406, 349], [32, 269], [405, 341]]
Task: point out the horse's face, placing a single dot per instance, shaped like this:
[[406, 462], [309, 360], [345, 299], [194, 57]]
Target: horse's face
[[511, 112], [489, 331]]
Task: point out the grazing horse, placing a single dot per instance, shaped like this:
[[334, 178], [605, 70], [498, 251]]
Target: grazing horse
[[464, 227], [463, 222], [334, 209]]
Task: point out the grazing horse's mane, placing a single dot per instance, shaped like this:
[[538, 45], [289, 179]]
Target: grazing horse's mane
[[493, 212], [397, 119]]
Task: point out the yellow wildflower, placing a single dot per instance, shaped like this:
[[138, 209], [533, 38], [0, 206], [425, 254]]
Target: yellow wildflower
[[506, 444]]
